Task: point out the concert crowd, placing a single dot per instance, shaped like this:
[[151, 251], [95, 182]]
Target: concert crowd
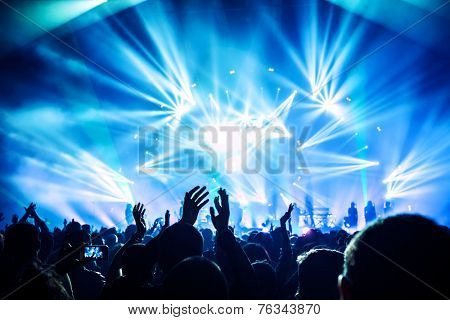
[[401, 256]]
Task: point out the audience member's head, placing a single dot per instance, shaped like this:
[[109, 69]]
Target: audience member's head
[[256, 252], [196, 278], [318, 273], [177, 243], [267, 281], [86, 227], [400, 257], [134, 263], [129, 231], [21, 243], [111, 240], [265, 239]]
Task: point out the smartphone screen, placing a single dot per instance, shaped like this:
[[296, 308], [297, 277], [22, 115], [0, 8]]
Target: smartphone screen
[[95, 252]]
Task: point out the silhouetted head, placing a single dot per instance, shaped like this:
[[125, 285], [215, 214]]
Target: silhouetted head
[[267, 280], [264, 239], [400, 257], [97, 239], [86, 227], [177, 243], [195, 278], [111, 240], [318, 273], [134, 262], [251, 236], [277, 237], [256, 252], [369, 204], [22, 243], [129, 231], [73, 233], [353, 204]]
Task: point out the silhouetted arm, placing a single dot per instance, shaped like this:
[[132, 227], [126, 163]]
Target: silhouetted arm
[[286, 250], [116, 264], [45, 237], [242, 278]]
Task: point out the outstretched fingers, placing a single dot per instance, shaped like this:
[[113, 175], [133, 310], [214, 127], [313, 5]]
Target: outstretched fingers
[[212, 212], [201, 198], [192, 191], [217, 204]]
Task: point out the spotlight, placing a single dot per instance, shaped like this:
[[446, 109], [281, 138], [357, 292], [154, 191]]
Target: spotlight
[[232, 71], [328, 104], [193, 85], [271, 69], [366, 147], [135, 136], [348, 99], [378, 129]]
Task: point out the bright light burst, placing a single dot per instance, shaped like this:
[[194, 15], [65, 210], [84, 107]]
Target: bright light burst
[[170, 73]]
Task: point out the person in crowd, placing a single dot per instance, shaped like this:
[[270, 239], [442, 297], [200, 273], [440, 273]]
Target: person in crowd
[[22, 274], [351, 221], [318, 273], [369, 212], [387, 208], [399, 257]]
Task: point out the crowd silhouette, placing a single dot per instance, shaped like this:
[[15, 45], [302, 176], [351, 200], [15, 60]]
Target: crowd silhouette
[[403, 256]]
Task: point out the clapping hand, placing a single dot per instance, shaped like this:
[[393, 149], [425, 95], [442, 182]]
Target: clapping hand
[[30, 212], [221, 220], [194, 200], [138, 215], [286, 216]]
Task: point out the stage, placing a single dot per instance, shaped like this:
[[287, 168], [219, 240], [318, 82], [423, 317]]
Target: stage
[[309, 102]]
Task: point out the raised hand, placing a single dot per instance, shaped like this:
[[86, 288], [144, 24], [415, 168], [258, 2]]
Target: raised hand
[[30, 212], [138, 215], [286, 216], [166, 220], [194, 200], [221, 220]]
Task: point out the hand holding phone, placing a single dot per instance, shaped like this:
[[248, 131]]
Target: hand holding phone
[[99, 252]]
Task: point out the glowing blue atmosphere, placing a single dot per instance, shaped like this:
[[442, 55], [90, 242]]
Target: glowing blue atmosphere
[[375, 105]]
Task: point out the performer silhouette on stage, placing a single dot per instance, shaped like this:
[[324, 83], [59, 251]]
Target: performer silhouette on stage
[[351, 220], [387, 208], [369, 212]]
